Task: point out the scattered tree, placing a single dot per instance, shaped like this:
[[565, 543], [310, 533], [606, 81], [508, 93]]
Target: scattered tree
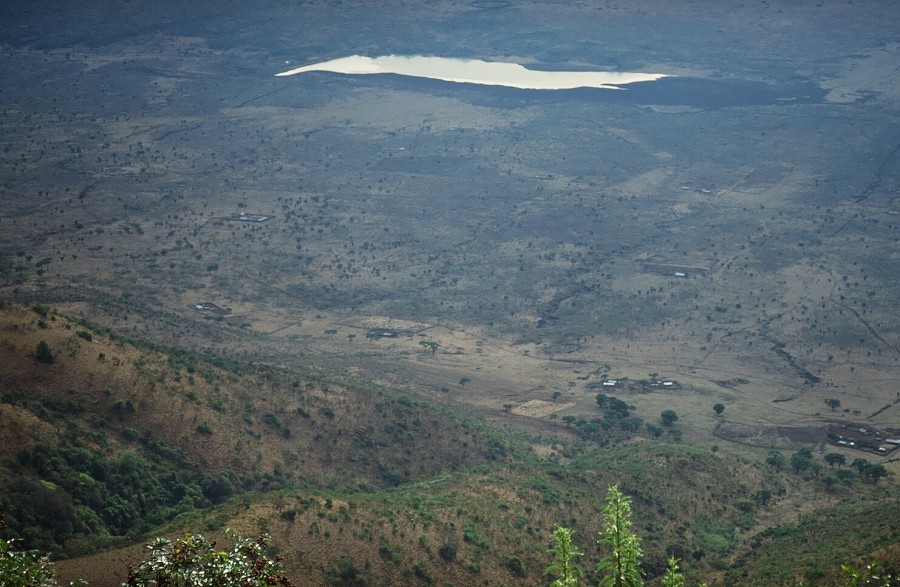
[[43, 353], [876, 472], [846, 475], [718, 409], [801, 460], [654, 430], [833, 403], [430, 345], [668, 417], [860, 465], [775, 459], [835, 458], [762, 496]]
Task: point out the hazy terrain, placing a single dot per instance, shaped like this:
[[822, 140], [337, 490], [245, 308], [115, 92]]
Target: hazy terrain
[[733, 230]]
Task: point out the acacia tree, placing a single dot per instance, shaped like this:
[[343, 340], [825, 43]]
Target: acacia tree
[[835, 458], [430, 345], [621, 567], [876, 472], [563, 552], [668, 417]]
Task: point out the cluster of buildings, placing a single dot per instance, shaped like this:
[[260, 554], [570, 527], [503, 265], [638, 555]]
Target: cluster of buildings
[[862, 438]]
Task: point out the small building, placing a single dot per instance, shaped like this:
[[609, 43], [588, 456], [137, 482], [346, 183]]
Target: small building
[[382, 333]]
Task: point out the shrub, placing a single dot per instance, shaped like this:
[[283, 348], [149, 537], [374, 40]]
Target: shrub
[[345, 573], [43, 353], [515, 564], [41, 310], [388, 553], [448, 552]]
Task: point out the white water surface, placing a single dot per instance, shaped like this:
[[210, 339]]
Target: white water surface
[[474, 71]]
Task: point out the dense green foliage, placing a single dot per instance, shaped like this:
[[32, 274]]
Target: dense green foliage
[[819, 541], [73, 499]]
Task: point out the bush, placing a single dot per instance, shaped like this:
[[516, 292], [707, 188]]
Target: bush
[[43, 353], [218, 489], [388, 553], [448, 552], [345, 573], [41, 310], [515, 564]]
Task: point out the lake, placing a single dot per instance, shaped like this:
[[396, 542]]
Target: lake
[[632, 87]]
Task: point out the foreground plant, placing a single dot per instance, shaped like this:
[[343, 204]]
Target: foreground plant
[[563, 552], [870, 575], [673, 576], [621, 567], [193, 561], [26, 568]]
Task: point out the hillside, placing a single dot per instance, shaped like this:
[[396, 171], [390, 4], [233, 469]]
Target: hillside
[[490, 525], [217, 428], [115, 441]]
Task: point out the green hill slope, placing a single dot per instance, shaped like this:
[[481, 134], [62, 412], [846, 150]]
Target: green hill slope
[[110, 439]]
